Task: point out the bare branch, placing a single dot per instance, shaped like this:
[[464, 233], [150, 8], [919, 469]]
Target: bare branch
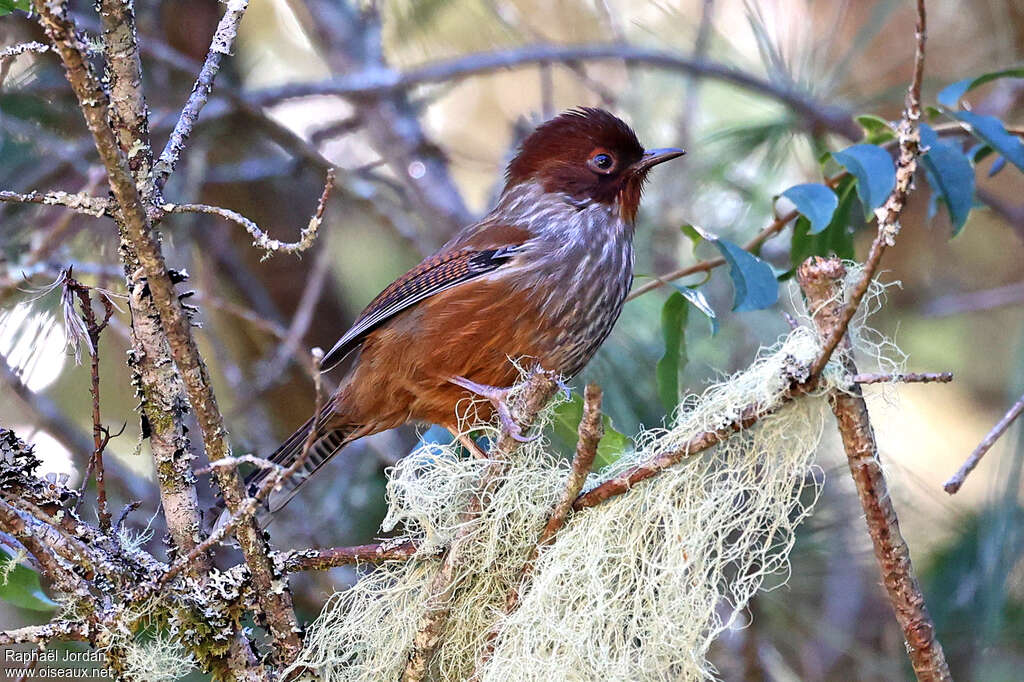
[[223, 39], [821, 280], [906, 378], [260, 239], [382, 81], [953, 484]]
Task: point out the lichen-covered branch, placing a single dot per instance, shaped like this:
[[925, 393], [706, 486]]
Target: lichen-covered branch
[[821, 280], [223, 39], [137, 232], [60, 630], [535, 394], [97, 207]]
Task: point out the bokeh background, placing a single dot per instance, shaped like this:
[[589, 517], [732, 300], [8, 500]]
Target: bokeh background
[[415, 164]]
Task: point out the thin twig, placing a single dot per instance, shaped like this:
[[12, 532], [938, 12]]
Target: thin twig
[[889, 214], [905, 378], [100, 435], [953, 484], [260, 239], [220, 45], [821, 281]]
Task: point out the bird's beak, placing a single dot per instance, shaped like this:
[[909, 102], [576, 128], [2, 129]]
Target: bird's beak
[[652, 157]]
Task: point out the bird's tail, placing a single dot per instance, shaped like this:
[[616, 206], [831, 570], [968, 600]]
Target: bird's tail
[[329, 440]]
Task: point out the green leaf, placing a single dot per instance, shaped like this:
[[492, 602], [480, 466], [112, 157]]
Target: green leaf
[[673, 330], [815, 201], [836, 239], [950, 95], [876, 129], [950, 174], [700, 302], [753, 282], [22, 588], [691, 232], [566, 425], [8, 6], [990, 129], [874, 170]]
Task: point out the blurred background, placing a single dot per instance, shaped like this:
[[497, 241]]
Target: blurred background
[[418, 162]]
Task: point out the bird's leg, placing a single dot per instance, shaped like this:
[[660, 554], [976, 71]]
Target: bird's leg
[[498, 397], [467, 443]]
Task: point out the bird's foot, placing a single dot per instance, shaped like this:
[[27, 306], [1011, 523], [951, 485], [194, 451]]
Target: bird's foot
[[468, 443], [498, 397]]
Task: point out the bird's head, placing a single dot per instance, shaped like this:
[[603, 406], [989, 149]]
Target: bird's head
[[588, 155]]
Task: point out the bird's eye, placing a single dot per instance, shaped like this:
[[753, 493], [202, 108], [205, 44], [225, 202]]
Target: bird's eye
[[601, 162]]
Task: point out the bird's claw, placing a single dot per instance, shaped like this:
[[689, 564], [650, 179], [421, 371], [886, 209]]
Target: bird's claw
[[564, 387], [498, 397]]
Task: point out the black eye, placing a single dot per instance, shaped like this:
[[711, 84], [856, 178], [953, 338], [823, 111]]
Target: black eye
[[601, 162]]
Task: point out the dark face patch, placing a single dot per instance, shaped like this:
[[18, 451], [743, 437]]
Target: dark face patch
[[587, 154]]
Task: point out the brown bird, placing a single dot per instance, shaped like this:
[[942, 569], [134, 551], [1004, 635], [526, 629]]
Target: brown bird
[[540, 280]]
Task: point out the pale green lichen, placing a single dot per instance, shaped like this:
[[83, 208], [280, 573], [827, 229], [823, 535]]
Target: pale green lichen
[[637, 587]]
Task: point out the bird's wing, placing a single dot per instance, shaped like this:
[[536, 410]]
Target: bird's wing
[[434, 275]]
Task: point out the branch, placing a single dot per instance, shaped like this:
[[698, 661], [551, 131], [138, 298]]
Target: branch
[[538, 390], [325, 559], [43, 542], [248, 507], [653, 466], [100, 435], [22, 48], [907, 378], [260, 239], [62, 630], [590, 430], [137, 233], [223, 39], [375, 82], [889, 214], [821, 281], [97, 207], [953, 484]]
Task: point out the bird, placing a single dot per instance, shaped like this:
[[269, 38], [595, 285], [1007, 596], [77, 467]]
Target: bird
[[540, 280]]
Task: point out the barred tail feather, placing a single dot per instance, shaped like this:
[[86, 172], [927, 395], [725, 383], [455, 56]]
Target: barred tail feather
[[327, 444]]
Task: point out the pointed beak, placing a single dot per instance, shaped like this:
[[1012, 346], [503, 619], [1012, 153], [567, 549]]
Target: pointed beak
[[652, 157]]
